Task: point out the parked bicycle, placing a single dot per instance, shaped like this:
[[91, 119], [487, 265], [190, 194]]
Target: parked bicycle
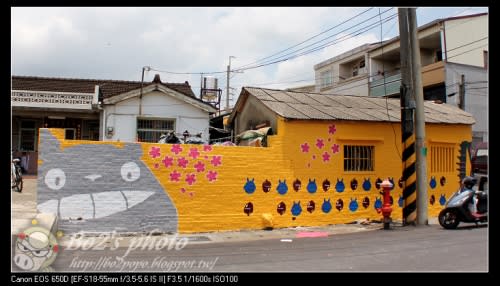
[[16, 178]]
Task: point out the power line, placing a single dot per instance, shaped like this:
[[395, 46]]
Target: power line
[[242, 69], [343, 38], [273, 83], [266, 63], [336, 41], [468, 51], [375, 75], [385, 87], [467, 44], [329, 29]]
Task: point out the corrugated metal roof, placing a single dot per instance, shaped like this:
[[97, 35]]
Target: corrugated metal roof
[[311, 111], [279, 95], [317, 106]]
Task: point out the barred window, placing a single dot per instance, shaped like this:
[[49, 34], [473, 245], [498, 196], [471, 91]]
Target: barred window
[[150, 130], [359, 158], [28, 136], [442, 159]]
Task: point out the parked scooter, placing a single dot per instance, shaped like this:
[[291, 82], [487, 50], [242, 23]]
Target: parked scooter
[[16, 177], [458, 207]]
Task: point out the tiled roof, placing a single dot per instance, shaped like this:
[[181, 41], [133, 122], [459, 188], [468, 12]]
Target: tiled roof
[[108, 88], [320, 106]]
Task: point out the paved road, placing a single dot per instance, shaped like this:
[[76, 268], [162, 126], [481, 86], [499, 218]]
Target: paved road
[[427, 249]]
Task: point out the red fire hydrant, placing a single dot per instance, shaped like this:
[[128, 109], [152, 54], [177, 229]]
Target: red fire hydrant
[[386, 207]]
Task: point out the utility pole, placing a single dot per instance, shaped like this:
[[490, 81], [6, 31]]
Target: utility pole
[[407, 130], [415, 187], [418, 93], [461, 92], [147, 68], [227, 83]]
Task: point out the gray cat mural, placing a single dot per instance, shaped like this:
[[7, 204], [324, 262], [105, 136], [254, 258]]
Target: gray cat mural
[[101, 188]]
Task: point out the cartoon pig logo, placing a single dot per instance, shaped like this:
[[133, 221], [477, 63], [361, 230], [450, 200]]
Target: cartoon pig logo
[[400, 201], [378, 203], [36, 249], [377, 183]]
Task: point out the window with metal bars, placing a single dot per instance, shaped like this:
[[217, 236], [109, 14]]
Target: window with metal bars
[[442, 159], [28, 136], [150, 130], [359, 158]]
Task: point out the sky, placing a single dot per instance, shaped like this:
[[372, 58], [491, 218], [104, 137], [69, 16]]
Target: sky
[[270, 47]]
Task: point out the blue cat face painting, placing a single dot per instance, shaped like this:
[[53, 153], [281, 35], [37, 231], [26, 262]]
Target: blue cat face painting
[[282, 188], [249, 186], [311, 186]]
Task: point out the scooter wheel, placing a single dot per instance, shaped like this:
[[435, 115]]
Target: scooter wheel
[[448, 219]]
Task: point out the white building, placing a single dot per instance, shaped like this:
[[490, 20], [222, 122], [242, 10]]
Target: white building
[[449, 48], [107, 110]]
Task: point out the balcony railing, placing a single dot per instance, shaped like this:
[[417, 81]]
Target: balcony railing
[[431, 74], [392, 84], [43, 99]]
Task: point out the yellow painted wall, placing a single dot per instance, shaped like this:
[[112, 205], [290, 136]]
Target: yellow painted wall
[[217, 203]]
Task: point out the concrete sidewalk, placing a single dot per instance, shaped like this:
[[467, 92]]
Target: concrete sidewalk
[[24, 210]]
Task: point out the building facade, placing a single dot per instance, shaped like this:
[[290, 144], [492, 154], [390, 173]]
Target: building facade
[[101, 110], [446, 54]]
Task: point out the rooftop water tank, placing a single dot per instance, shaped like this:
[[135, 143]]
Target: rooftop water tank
[[209, 88]]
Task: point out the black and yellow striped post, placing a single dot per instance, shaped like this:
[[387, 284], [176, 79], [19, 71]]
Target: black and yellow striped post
[[408, 105], [409, 161]]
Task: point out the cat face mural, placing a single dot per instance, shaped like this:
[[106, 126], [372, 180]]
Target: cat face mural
[[114, 191], [249, 186], [311, 186], [282, 187]]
